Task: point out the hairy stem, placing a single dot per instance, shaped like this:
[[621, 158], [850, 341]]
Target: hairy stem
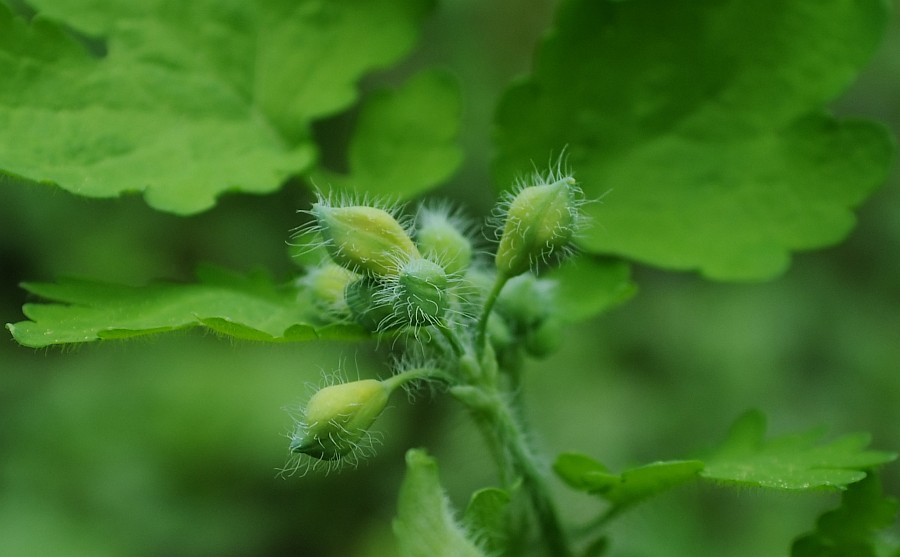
[[509, 445], [452, 338], [526, 464], [414, 374]]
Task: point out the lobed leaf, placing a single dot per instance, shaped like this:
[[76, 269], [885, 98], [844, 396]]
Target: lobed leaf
[[791, 462], [425, 526], [250, 308], [705, 123], [183, 101]]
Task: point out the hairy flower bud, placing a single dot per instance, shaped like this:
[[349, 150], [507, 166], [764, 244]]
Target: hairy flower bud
[[369, 303], [540, 219], [440, 238], [338, 417], [327, 284], [363, 239], [421, 292], [527, 301]]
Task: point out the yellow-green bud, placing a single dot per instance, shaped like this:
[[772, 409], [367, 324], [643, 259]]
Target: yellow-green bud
[[440, 240], [338, 417], [540, 219], [364, 239], [327, 283], [422, 292]]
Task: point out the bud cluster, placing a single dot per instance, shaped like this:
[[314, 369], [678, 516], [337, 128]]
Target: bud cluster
[[388, 273], [388, 280]]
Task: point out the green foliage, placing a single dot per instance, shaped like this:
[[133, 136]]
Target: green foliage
[[251, 308], [631, 486], [790, 462], [705, 123], [851, 529], [404, 142], [189, 100], [425, 526], [487, 518], [591, 285]]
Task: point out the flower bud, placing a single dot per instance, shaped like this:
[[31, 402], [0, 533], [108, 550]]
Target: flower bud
[[544, 339], [338, 417], [364, 239], [440, 239], [367, 303], [421, 292], [327, 284], [527, 300], [540, 219]]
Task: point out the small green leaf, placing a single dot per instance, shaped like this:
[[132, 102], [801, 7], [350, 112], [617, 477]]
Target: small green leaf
[[631, 486], [250, 308], [791, 462], [425, 526], [487, 520], [852, 529], [405, 141], [590, 285], [188, 100], [705, 122], [582, 472]]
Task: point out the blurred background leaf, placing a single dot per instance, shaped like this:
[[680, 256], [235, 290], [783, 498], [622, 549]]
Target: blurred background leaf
[[184, 102], [704, 122]]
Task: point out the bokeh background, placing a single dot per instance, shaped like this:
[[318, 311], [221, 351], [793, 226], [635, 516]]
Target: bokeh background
[[171, 445]]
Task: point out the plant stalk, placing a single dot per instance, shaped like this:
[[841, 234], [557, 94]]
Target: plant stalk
[[515, 458], [481, 335]]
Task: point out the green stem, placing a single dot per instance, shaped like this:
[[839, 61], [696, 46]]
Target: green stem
[[414, 374], [527, 465], [515, 457], [481, 333], [452, 338]]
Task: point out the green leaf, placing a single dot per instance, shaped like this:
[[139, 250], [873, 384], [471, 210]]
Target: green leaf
[[404, 142], [590, 285], [187, 100], [851, 529], [486, 518], [425, 526], [631, 486], [250, 308], [791, 462], [704, 122]]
